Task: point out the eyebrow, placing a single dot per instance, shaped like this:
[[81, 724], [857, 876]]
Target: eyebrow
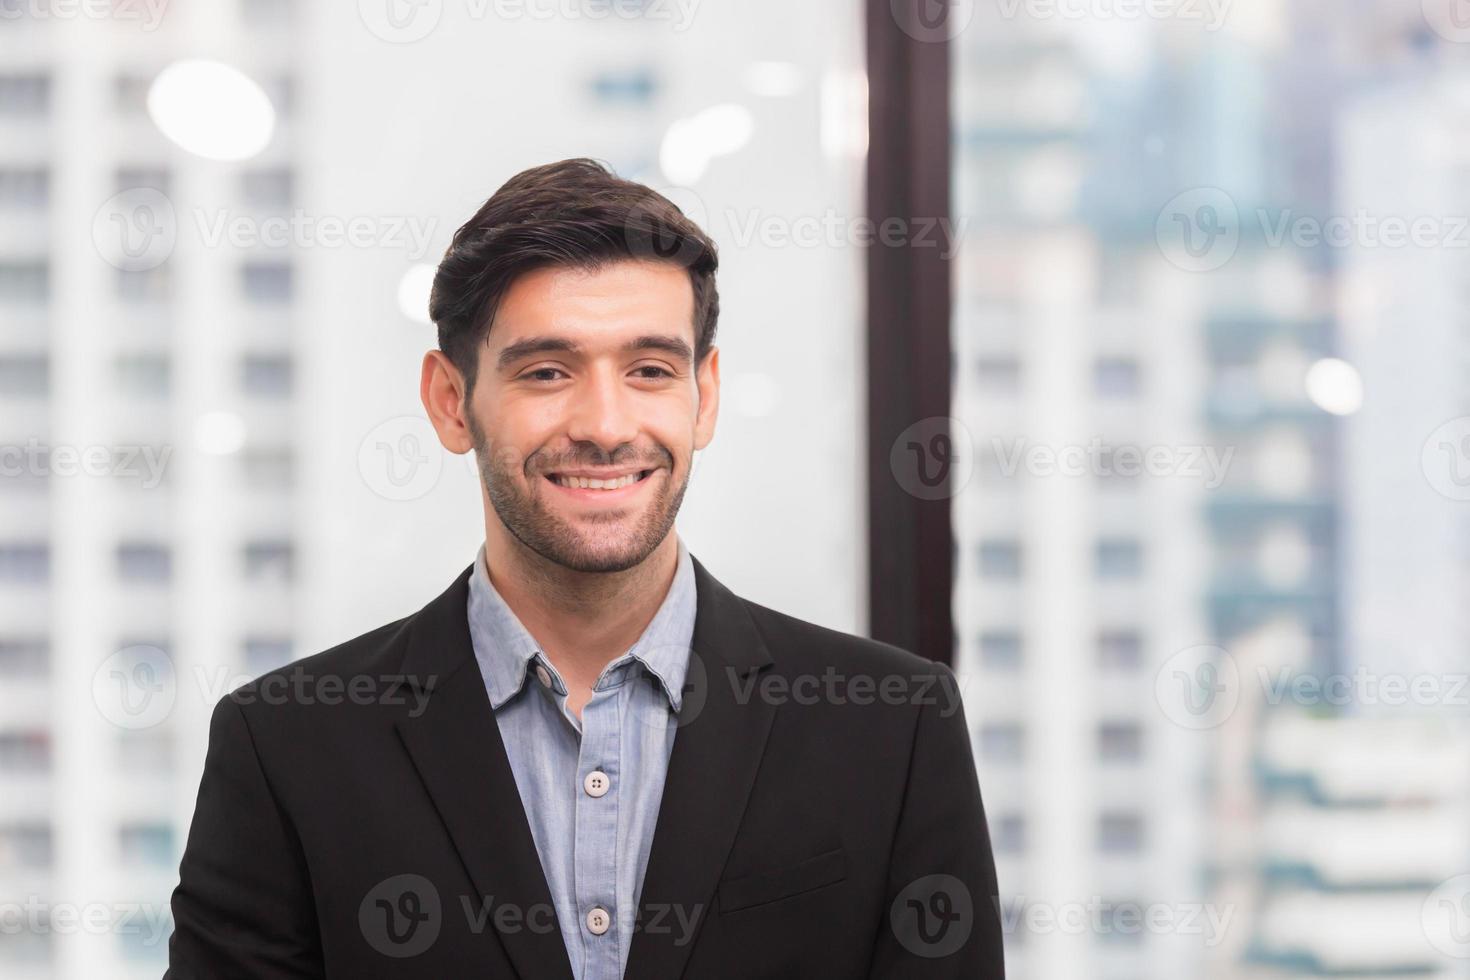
[[522, 349]]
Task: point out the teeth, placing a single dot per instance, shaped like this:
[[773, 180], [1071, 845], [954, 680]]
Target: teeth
[[583, 483]]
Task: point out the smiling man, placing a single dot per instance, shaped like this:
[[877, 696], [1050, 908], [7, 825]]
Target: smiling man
[[586, 758]]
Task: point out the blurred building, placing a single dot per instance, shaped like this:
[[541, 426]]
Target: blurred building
[[150, 399], [1077, 357]]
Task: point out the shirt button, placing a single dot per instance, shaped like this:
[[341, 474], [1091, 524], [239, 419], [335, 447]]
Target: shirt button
[[598, 920], [543, 675], [597, 784]]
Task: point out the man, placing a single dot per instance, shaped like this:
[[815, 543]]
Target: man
[[587, 758]]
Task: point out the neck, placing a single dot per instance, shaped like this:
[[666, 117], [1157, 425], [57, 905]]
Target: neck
[[582, 620]]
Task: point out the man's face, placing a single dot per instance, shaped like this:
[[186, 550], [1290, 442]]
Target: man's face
[[587, 410]]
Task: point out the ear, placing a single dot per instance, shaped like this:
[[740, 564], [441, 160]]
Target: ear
[[442, 388], [707, 378]]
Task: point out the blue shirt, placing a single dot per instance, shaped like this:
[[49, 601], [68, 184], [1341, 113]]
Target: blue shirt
[[590, 789]]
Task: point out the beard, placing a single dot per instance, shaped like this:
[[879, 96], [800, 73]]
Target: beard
[[611, 541]]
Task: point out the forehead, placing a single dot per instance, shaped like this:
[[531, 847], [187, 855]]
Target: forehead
[[596, 307]]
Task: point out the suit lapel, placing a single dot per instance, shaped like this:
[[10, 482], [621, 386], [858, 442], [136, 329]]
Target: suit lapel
[[717, 751], [455, 744]]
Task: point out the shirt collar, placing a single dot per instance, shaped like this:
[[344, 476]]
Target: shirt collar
[[507, 652]]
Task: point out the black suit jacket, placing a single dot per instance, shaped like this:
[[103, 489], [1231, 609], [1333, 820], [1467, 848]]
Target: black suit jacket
[[358, 818]]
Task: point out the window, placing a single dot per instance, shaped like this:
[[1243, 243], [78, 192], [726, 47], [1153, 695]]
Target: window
[[25, 846], [635, 87], [24, 282], [1000, 649], [267, 190], [1120, 833], [130, 93], [266, 283], [1115, 377], [146, 844], [145, 285], [1119, 558], [24, 375], [25, 751], [266, 653], [144, 562], [1120, 650], [1119, 741], [129, 178], [1000, 559], [998, 375], [269, 561], [142, 375], [25, 562], [146, 751], [24, 188], [268, 468], [25, 94], [1002, 742], [266, 375], [1008, 834], [24, 656]]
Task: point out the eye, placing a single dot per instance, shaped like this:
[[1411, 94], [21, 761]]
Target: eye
[[652, 372], [542, 374]]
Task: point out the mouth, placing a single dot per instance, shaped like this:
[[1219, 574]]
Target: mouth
[[606, 486]]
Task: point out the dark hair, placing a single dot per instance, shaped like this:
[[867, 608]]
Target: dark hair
[[574, 213]]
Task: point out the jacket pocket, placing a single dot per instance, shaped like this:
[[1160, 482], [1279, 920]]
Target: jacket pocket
[[768, 886]]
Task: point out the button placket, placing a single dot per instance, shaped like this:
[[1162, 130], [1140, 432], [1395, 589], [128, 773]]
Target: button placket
[[596, 843]]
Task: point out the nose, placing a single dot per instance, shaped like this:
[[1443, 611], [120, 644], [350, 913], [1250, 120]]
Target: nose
[[603, 412]]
